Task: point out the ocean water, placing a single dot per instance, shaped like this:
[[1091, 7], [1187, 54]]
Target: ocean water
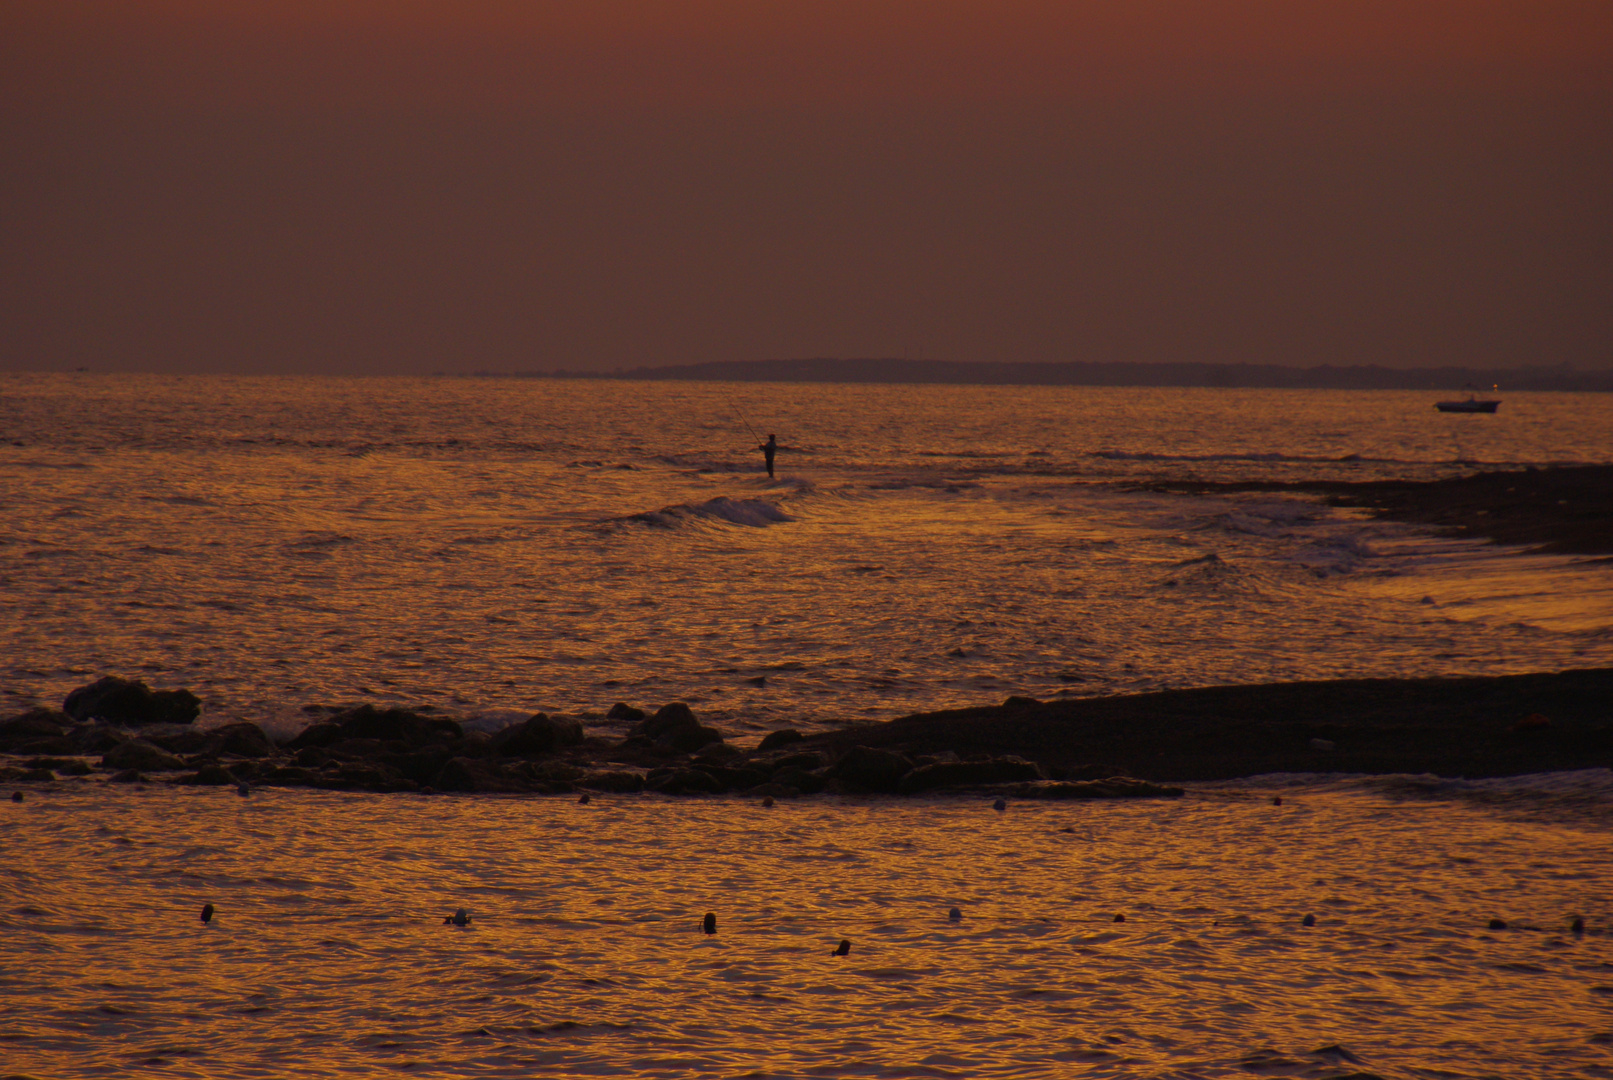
[[486, 548], [481, 546], [328, 955]]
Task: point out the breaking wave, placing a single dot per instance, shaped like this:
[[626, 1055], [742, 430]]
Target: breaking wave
[[755, 513]]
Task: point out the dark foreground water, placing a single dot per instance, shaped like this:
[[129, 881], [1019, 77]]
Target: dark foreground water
[[328, 955]]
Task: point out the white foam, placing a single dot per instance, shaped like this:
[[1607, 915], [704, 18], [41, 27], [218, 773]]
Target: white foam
[[756, 513]]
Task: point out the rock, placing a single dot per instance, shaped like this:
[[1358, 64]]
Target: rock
[[623, 711], [867, 769], [1309, 920], [1017, 702], [368, 722], [96, 738], [473, 774], [800, 781], [141, 755], [947, 774], [782, 737], [286, 776], [1498, 924], [1116, 787], [808, 761], [65, 766], [669, 717], [127, 776], [316, 735], [612, 780], [37, 776], [674, 728], [214, 775], [740, 779], [539, 734], [718, 753], [774, 790], [682, 782], [130, 703], [33, 724], [243, 740], [58, 744]]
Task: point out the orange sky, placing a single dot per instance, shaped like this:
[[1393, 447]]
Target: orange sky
[[446, 186]]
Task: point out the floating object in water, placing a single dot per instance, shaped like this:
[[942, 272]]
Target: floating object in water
[[709, 924], [1498, 924], [1578, 925], [1309, 920], [1000, 804], [1276, 800], [955, 915], [844, 948], [767, 800], [242, 790], [458, 918], [1120, 918], [16, 796], [207, 913], [583, 800]]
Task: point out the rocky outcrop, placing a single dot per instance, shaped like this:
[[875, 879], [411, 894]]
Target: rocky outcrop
[[129, 703], [671, 753]]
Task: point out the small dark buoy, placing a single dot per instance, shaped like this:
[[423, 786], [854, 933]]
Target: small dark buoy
[[207, 913], [583, 800], [458, 918], [709, 924], [844, 948], [767, 800], [1276, 800], [1120, 918], [1578, 925], [16, 796], [1000, 804], [1309, 920], [242, 790], [955, 915], [1498, 924]]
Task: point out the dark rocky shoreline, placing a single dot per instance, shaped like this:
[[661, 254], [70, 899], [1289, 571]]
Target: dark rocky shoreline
[[1115, 747], [1567, 509]]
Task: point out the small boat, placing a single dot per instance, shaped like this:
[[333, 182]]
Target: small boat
[[1471, 405]]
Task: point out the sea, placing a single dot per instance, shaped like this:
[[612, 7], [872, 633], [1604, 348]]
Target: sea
[[486, 548]]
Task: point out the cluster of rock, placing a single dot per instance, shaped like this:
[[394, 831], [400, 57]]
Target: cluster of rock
[[373, 749]]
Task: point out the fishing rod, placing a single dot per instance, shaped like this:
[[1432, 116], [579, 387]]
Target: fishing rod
[[744, 421]]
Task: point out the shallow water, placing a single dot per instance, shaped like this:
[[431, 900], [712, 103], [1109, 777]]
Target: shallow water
[[481, 546], [328, 954]]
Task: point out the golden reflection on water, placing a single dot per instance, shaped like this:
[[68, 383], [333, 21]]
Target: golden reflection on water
[[328, 954]]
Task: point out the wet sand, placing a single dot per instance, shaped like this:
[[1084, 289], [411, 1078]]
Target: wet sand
[[1562, 509], [1476, 727]]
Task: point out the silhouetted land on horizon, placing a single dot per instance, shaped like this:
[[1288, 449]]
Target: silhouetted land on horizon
[[1325, 377]]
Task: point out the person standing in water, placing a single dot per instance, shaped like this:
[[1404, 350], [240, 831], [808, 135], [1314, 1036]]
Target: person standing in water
[[768, 449]]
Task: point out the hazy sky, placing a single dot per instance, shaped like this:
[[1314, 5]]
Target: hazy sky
[[345, 185]]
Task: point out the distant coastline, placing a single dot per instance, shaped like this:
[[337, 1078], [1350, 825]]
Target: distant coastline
[[1082, 373]]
